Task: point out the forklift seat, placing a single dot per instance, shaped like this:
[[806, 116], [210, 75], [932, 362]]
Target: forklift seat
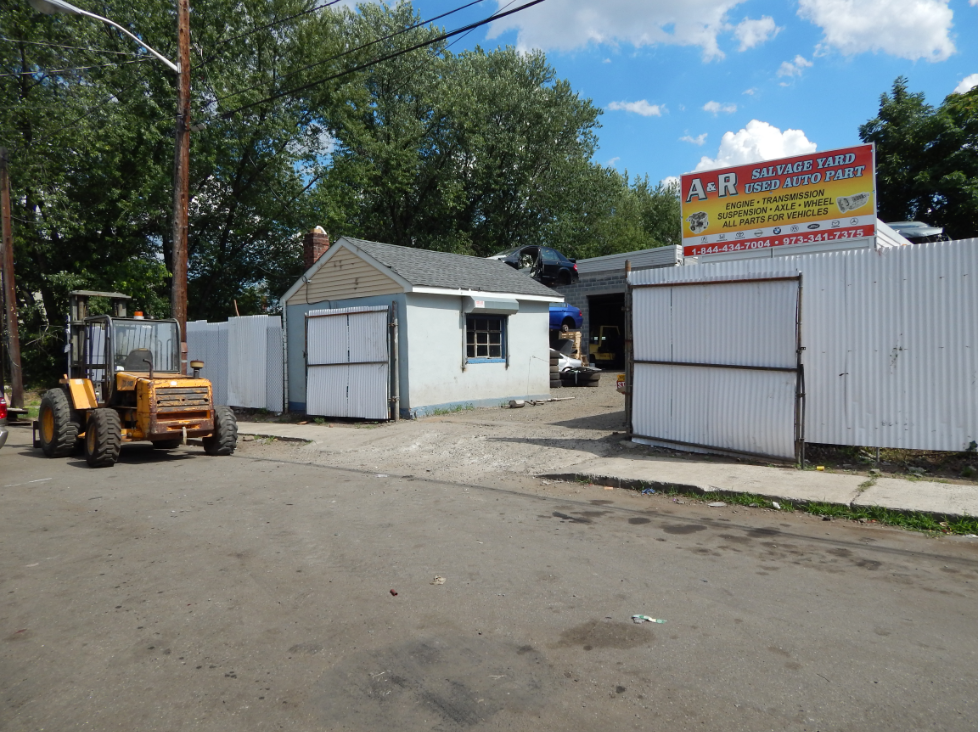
[[137, 360]]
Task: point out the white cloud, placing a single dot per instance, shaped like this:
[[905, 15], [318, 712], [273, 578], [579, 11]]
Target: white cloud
[[755, 142], [967, 83], [612, 161], [716, 107], [751, 91], [607, 60], [699, 140], [642, 107], [910, 29], [751, 33], [794, 67], [671, 181], [576, 23]]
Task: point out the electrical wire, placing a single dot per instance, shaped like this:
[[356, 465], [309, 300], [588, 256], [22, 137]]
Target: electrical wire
[[359, 48], [263, 27], [470, 31], [74, 48], [49, 135], [52, 72], [388, 57]]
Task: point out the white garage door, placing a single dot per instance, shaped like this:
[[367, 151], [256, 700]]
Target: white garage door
[[347, 362]]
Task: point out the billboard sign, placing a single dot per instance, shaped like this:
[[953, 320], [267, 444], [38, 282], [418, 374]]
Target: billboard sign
[[823, 196]]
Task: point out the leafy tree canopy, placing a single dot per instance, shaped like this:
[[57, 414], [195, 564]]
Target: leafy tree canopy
[[470, 152], [926, 159]]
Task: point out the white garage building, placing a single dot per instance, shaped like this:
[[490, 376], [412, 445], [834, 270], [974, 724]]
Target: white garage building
[[374, 330]]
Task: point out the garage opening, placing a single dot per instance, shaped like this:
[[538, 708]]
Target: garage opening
[[607, 329]]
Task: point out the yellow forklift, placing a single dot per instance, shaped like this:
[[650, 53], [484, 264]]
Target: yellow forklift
[[124, 384]]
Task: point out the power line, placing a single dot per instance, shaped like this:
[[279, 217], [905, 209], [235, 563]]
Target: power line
[[51, 72], [263, 27], [74, 48], [49, 135], [357, 48], [388, 57]]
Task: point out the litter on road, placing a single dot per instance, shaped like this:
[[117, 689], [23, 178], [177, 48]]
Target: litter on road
[[437, 580], [717, 504], [646, 619], [649, 491]]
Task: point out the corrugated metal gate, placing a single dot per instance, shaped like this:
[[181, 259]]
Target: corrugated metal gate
[[716, 365], [243, 358], [347, 362]]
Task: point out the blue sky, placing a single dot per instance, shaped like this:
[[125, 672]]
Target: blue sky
[[693, 84]]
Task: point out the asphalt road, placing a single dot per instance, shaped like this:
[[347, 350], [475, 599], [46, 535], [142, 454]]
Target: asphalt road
[[177, 591]]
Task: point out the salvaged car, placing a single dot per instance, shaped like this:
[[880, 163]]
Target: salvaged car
[[564, 317], [544, 264], [919, 233]]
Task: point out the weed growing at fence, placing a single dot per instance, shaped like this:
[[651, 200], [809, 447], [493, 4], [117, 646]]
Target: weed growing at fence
[[872, 514], [452, 410]]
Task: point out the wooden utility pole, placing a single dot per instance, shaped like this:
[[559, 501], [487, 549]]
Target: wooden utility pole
[[9, 294], [178, 293]]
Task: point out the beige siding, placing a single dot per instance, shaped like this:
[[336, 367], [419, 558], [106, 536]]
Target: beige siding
[[345, 276]]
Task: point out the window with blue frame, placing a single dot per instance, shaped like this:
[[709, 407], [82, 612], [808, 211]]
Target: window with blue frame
[[485, 337]]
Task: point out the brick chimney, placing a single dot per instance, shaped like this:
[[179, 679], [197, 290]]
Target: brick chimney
[[315, 244]]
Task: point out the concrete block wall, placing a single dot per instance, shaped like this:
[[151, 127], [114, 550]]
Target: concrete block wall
[[599, 283]]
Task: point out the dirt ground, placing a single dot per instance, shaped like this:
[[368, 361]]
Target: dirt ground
[[588, 422], [473, 446]]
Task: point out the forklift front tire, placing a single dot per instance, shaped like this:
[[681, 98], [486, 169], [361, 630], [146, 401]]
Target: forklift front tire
[[224, 439], [59, 424], [103, 438]]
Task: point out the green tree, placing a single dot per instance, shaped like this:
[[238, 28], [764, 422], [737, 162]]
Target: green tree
[[926, 159], [471, 152], [89, 128]]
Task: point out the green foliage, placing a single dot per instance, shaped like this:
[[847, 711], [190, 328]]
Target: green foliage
[[472, 152], [926, 159], [478, 152]]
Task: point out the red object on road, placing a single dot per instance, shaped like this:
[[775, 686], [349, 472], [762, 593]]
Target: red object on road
[[393, 593]]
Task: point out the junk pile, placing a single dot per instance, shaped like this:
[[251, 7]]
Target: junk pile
[[568, 371]]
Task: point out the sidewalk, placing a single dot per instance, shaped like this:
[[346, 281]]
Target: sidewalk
[[781, 484], [546, 451]]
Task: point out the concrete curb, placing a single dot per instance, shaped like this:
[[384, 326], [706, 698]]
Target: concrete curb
[[856, 502], [284, 438]]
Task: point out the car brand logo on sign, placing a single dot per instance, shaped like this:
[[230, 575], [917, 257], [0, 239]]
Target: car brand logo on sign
[[729, 209]]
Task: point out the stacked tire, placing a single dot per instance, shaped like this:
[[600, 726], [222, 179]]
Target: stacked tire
[[581, 378], [555, 374]]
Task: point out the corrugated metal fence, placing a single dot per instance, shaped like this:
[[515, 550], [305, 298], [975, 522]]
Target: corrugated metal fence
[[890, 340], [243, 358]]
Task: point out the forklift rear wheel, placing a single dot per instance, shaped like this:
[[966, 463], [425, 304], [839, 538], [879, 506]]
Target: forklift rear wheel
[[225, 436], [59, 424], [103, 438]]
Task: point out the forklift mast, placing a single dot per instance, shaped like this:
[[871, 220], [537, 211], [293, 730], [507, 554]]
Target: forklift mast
[[84, 355]]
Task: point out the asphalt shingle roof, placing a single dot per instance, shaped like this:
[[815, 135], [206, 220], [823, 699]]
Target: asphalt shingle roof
[[427, 268]]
